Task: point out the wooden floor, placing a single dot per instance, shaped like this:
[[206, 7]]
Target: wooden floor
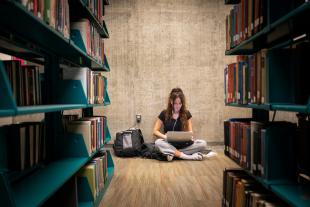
[[145, 182]]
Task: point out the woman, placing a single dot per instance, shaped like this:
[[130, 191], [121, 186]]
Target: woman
[[177, 118]]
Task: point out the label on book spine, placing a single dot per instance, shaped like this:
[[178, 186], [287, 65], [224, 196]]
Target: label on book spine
[[263, 99], [256, 22]]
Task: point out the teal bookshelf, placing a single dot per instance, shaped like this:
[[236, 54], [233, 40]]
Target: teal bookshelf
[[253, 106], [7, 104], [40, 190], [291, 107], [267, 37], [294, 195], [66, 153], [285, 27], [288, 190], [106, 64], [274, 107], [105, 28], [265, 182], [46, 108], [106, 95], [107, 134]]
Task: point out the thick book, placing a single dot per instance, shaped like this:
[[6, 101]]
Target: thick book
[[83, 128], [80, 74], [255, 139], [263, 76], [17, 147], [89, 172]]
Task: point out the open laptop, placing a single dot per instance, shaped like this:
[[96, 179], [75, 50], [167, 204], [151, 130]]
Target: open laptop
[[179, 136]]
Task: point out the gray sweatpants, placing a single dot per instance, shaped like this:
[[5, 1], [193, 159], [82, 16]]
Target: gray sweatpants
[[166, 148]]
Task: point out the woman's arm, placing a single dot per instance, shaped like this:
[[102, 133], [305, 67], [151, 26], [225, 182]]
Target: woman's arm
[[189, 124], [156, 130]]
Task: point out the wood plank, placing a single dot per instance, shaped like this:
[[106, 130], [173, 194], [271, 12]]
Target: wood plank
[[145, 182]]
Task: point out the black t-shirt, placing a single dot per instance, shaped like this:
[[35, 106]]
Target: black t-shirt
[[172, 124]]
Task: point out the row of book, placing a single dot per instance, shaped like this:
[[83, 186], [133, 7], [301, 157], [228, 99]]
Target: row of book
[[250, 16], [91, 128], [25, 82], [96, 7], [245, 19], [269, 76], [92, 83], [93, 43], [265, 149], [96, 173], [26, 145], [240, 190], [54, 13], [245, 80]]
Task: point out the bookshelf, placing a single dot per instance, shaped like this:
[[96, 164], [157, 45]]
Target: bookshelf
[[284, 28], [27, 36], [265, 37]]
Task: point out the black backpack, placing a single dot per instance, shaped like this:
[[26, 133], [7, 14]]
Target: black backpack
[[128, 143]]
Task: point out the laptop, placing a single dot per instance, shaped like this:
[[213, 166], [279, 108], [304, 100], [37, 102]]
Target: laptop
[[179, 136]]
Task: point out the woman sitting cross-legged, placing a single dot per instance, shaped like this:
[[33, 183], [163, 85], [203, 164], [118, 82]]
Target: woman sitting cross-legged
[[177, 118]]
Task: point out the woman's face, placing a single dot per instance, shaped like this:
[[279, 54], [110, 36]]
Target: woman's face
[[176, 105]]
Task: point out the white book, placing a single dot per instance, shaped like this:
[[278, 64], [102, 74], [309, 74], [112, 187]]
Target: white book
[[78, 74]]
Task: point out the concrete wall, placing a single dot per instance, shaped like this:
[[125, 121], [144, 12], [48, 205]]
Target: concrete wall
[[157, 45]]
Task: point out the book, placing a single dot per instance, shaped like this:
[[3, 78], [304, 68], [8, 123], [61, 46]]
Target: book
[[83, 128], [78, 73], [89, 172], [255, 147]]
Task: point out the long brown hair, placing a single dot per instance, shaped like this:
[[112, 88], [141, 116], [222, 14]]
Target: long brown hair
[[174, 94]]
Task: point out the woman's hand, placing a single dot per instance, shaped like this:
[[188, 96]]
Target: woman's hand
[[165, 136], [193, 139]]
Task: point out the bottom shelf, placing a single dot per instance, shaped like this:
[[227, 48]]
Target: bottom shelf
[[295, 195], [291, 192], [39, 184], [8, 112], [266, 183]]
